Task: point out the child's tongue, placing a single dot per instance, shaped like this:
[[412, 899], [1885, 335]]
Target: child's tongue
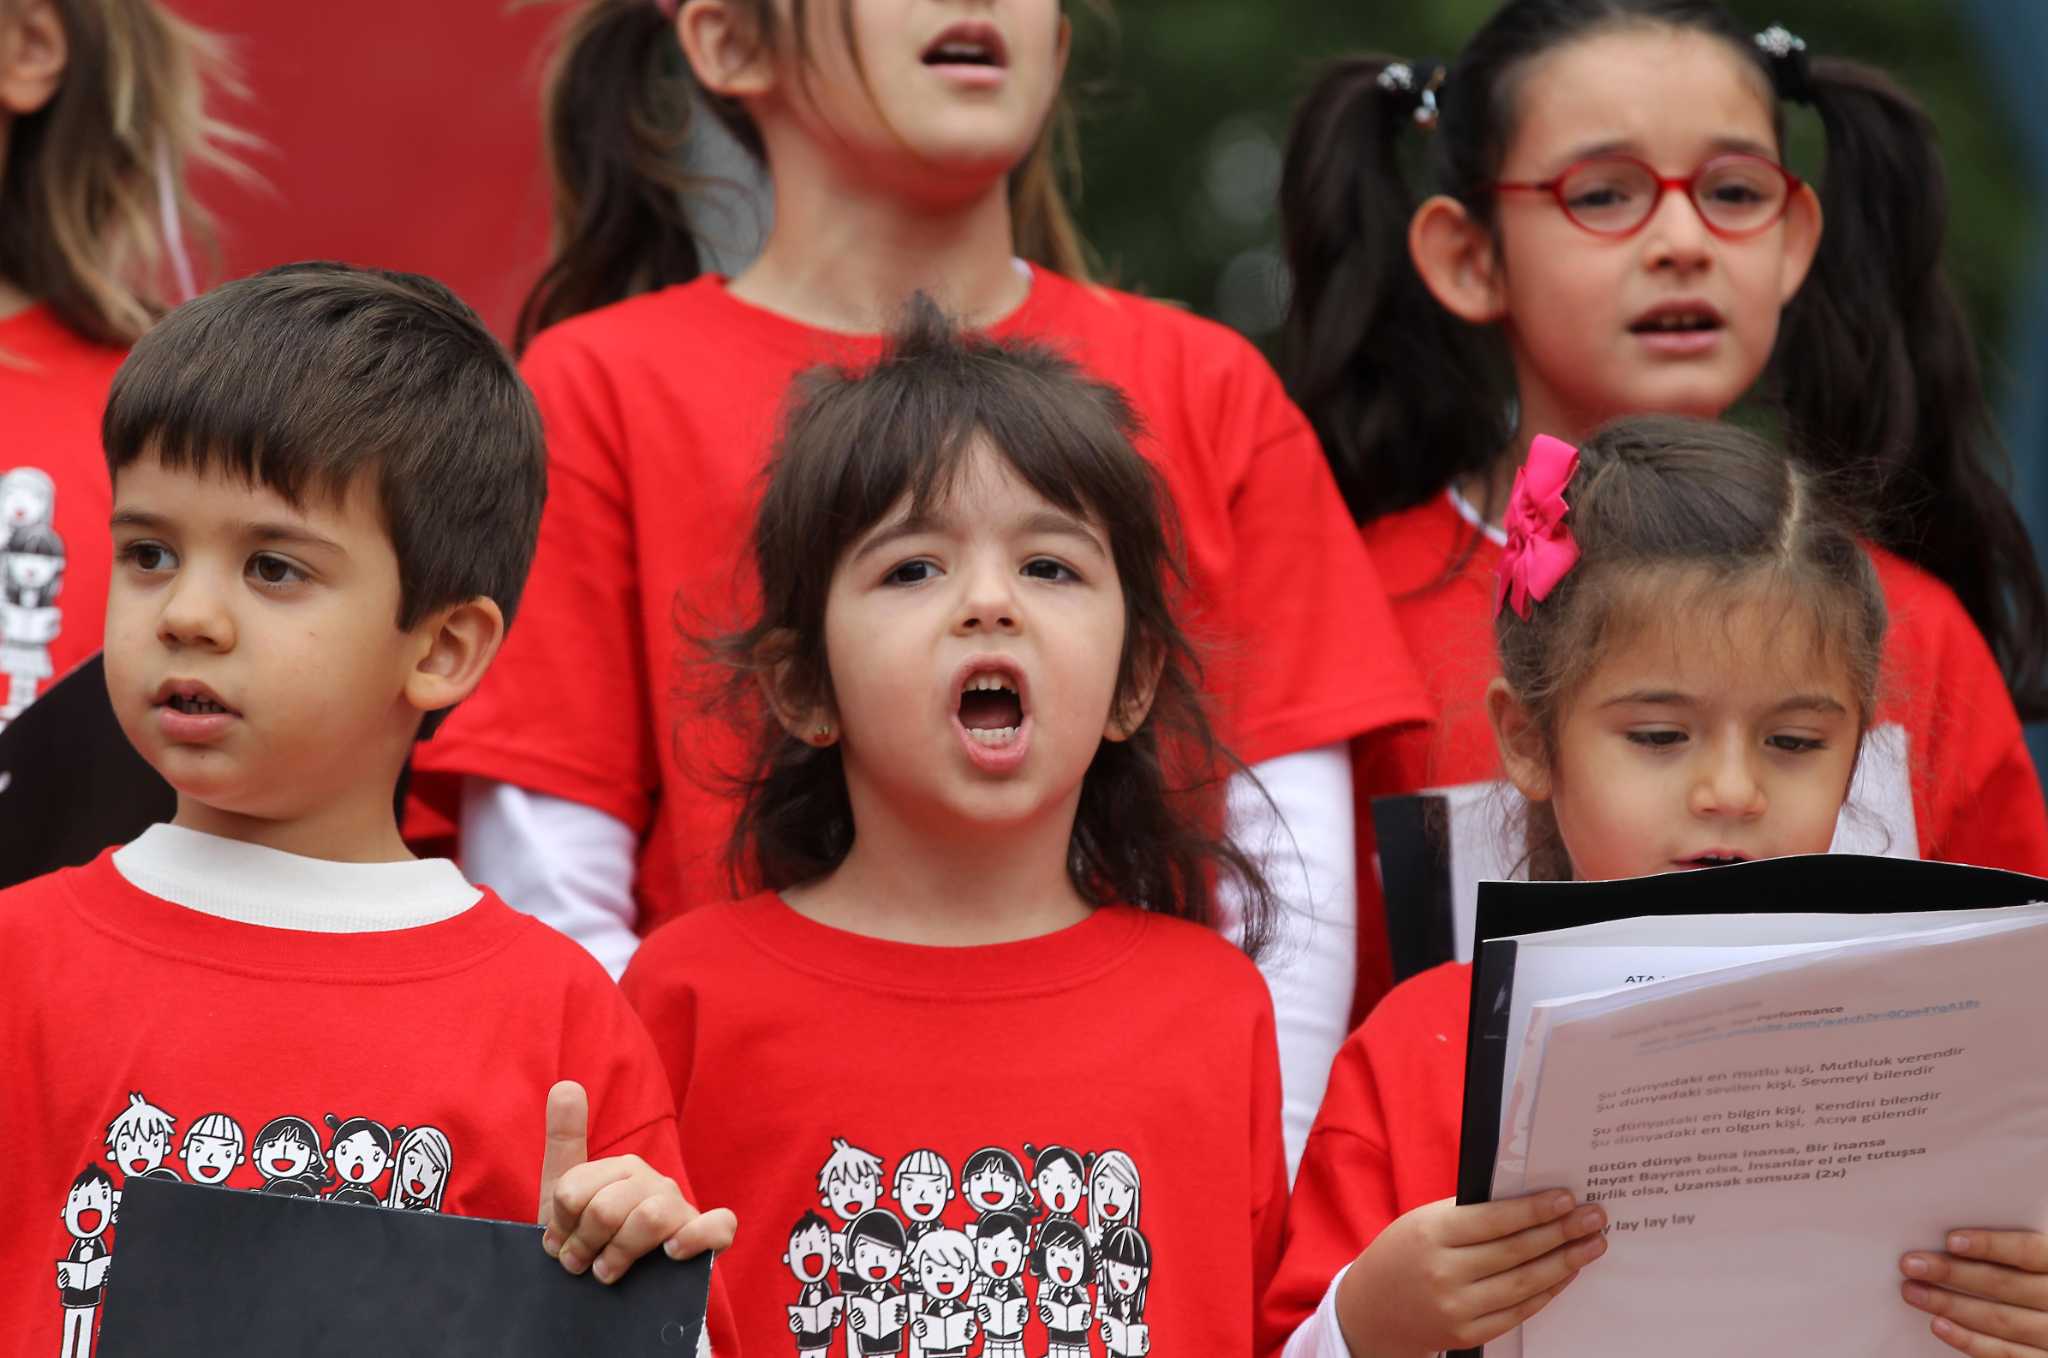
[[990, 710]]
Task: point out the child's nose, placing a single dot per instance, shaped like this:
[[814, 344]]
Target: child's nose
[[1728, 786], [1676, 234], [988, 603], [195, 614]]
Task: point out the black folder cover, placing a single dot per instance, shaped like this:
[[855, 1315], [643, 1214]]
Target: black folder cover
[[1413, 835], [221, 1272], [1828, 883]]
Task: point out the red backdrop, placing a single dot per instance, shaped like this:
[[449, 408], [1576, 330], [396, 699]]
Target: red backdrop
[[401, 133]]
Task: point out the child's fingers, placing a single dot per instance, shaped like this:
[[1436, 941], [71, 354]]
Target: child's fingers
[[570, 1202], [2024, 1250], [1517, 1250], [1980, 1345], [1993, 1282], [1483, 1221], [567, 1144], [602, 1217], [712, 1230], [1482, 1330], [1504, 1291], [1990, 1320], [657, 1216]]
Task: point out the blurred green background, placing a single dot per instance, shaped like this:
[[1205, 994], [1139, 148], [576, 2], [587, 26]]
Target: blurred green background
[[1185, 105]]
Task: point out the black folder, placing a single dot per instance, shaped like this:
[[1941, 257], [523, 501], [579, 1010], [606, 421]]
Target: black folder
[[222, 1272], [1851, 884]]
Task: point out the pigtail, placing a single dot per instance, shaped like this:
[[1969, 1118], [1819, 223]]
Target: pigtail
[[1404, 396], [95, 217], [616, 115], [1875, 365]]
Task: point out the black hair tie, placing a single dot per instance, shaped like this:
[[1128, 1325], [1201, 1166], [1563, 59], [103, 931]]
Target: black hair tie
[[1408, 96], [1785, 53]]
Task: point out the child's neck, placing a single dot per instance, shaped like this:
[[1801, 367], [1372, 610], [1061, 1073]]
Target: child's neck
[[973, 887], [845, 254], [357, 830], [13, 301]]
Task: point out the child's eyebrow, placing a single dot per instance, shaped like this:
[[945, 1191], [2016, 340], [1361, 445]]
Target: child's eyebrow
[[270, 531], [910, 525], [1652, 697], [1628, 146], [1057, 523], [1812, 702]]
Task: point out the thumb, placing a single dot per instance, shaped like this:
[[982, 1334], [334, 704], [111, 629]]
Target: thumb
[[568, 1138]]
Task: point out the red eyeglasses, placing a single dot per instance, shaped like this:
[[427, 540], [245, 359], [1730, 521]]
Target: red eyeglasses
[[1736, 195]]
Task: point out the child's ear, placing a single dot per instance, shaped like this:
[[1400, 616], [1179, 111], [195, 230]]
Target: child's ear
[[802, 714], [33, 54], [1130, 714], [1456, 258], [1522, 749], [458, 644], [725, 49], [1802, 227]]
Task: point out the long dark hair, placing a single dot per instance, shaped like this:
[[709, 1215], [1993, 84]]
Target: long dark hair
[[617, 111], [1874, 372], [856, 442], [1661, 503]]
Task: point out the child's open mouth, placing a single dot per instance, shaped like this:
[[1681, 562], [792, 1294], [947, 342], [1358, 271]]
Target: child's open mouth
[[992, 713], [1717, 858]]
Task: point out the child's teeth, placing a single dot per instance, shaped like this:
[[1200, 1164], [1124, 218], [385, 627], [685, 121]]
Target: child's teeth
[[1001, 735]]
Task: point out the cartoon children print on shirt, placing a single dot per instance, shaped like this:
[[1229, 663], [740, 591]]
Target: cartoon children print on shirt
[[424, 1159], [213, 1147], [139, 1140], [1112, 1195], [993, 1181], [942, 1321], [1126, 1273], [289, 1158], [31, 577], [1000, 1245], [815, 1313], [849, 1183], [1065, 1262], [82, 1272], [360, 1149], [1060, 1178], [876, 1309]]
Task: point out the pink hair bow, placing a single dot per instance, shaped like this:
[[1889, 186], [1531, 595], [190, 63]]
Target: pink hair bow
[[1540, 550]]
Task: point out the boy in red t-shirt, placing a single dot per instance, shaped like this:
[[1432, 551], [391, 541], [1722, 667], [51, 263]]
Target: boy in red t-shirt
[[326, 490]]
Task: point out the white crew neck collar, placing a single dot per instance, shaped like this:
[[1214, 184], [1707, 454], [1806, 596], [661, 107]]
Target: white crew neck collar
[[251, 884]]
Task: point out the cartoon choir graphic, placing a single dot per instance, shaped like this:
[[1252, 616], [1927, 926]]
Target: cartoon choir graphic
[[285, 1154], [31, 577], [1020, 1273], [82, 1272]]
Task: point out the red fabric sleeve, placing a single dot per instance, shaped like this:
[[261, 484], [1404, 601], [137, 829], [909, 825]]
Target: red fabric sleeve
[[633, 1113], [565, 709], [1977, 797], [1269, 1175], [1317, 657], [1343, 1192]]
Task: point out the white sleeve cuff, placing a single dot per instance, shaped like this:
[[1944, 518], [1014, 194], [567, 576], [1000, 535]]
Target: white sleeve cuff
[[1301, 833], [1320, 1336], [566, 864]]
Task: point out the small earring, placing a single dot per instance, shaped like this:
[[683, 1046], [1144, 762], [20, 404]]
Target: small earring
[[822, 736]]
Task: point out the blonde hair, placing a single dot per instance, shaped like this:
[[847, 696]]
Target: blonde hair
[[93, 197]]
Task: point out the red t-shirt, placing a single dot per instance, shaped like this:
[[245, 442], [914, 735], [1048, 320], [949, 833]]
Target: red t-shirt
[[55, 551], [1975, 795], [146, 1038], [660, 412], [1385, 1141], [1123, 1068]]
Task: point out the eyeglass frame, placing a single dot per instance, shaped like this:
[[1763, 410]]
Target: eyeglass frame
[[1554, 186]]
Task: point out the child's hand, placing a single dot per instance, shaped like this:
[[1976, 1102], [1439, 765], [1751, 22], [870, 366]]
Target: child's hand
[[1451, 1277], [602, 1215], [1988, 1294]]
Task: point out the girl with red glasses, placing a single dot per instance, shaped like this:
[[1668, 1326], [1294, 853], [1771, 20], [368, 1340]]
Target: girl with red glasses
[[1587, 215]]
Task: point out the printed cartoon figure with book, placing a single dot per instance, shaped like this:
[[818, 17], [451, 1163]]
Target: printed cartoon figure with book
[[816, 1313], [877, 1311], [999, 1302], [943, 1323], [82, 1272]]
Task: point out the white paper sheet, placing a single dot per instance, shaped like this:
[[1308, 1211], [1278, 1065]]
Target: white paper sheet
[[1770, 1138]]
